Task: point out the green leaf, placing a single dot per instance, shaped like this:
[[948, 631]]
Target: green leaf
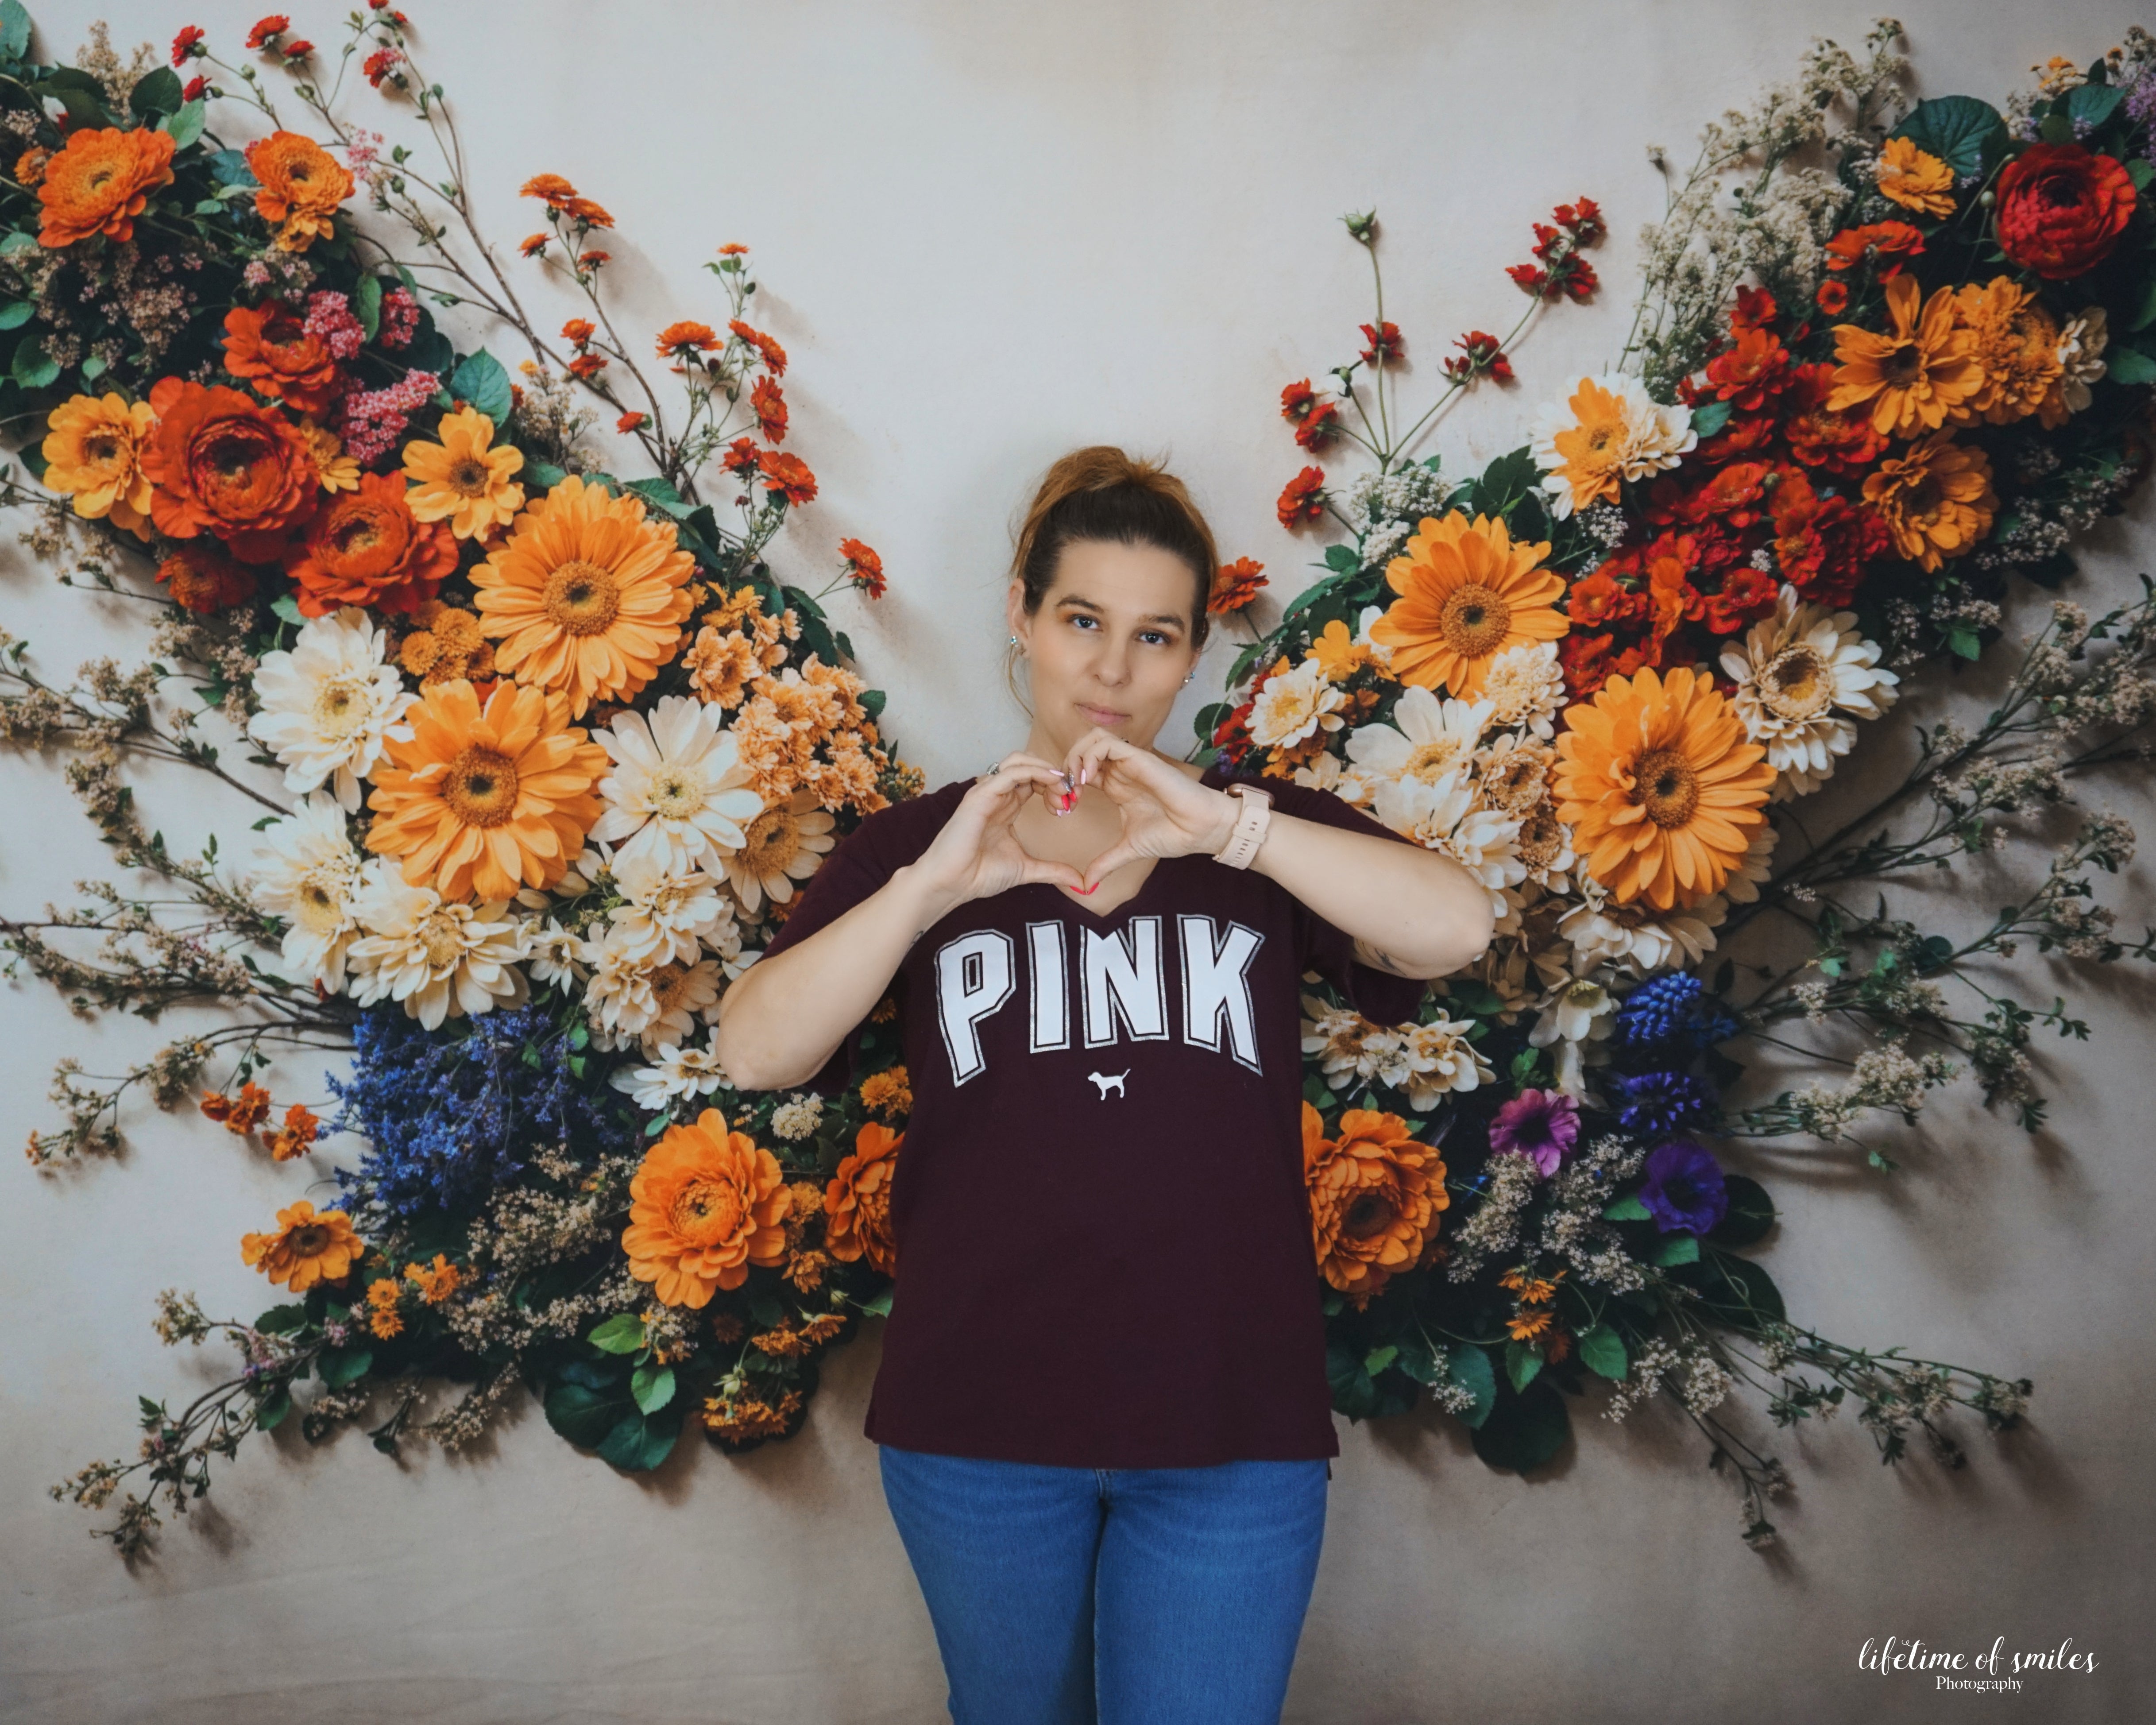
[[1353, 1392], [2141, 170], [1966, 644], [288, 607], [229, 168], [639, 1443], [1524, 1431], [622, 1333], [1952, 128], [1468, 1368], [15, 313], [481, 381], [1521, 1363], [31, 368], [1751, 1212], [585, 1416], [186, 125], [14, 30], [155, 93], [1414, 1357], [366, 305], [651, 1386], [2147, 315], [1735, 1290], [2130, 365], [879, 1303], [1709, 417], [544, 474], [661, 492], [271, 1414], [1377, 1359], [342, 1366], [81, 95], [282, 1320], [1602, 1351], [2093, 104], [1627, 1209], [1341, 559], [92, 369], [1675, 1249]]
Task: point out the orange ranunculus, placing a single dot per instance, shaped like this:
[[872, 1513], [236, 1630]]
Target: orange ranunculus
[[1375, 1195], [366, 547], [1915, 179], [99, 182], [223, 465], [1913, 377], [301, 186], [307, 1249], [2016, 343], [1467, 592], [94, 454], [707, 1204], [480, 801], [1936, 499], [203, 579], [857, 1203], [270, 346], [1662, 791], [587, 597]]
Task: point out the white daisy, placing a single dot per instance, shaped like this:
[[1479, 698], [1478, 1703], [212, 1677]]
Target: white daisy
[[1525, 685], [784, 845], [1295, 704], [1347, 1044], [669, 911], [633, 996], [678, 789], [329, 704], [674, 1075], [1798, 673], [1437, 1058], [1634, 936], [1430, 742], [1579, 1016], [554, 954], [441, 960], [306, 871]]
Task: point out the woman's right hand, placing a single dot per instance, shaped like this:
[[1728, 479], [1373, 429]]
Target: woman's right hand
[[977, 854]]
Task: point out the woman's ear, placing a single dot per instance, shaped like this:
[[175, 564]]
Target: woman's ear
[[1015, 609]]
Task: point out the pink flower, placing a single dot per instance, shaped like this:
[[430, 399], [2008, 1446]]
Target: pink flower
[[1541, 1125], [372, 420], [331, 322], [400, 318]]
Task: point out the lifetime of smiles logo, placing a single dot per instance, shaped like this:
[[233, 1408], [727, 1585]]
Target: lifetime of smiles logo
[[1994, 1670]]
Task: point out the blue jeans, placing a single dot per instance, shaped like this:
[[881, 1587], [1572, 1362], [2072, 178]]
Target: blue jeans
[[1147, 1594]]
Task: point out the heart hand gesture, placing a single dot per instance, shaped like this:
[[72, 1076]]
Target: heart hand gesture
[[977, 854], [1165, 812]]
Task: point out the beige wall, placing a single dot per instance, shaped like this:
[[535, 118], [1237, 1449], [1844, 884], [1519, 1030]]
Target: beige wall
[[989, 232]]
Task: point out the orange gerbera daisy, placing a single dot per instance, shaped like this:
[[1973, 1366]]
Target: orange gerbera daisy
[[223, 464], [301, 186], [479, 800], [1915, 180], [707, 1204], [1375, 1195], [463, 479], [270, 346], [1935, 498], [94, 454], [99, 182], [1467, 592], [587, 597], [1595, 446], [2016, 343], [367, 549], [857, 1203], [305, 1249], [1914, 377], [1662, 791]]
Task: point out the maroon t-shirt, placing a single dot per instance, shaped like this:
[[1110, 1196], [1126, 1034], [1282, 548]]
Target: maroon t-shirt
[[1102, 1231]]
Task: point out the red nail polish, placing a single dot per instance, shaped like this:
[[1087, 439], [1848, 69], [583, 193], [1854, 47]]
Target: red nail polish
[[1090, 891]]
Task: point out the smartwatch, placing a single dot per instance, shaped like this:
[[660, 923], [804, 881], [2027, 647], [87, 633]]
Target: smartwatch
[[1249, 832]]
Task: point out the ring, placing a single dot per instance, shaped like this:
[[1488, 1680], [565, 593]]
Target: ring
[[994, 767]]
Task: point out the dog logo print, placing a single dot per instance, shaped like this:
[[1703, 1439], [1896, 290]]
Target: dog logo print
[[1108, 1081]]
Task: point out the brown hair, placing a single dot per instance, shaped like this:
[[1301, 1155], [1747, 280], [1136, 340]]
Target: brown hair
[[1100, 493]]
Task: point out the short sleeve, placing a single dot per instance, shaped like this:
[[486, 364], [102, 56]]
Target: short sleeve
[[1378, 994]]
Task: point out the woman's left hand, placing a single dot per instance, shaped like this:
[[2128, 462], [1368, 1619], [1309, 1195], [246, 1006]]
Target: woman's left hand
[[1165, 812]]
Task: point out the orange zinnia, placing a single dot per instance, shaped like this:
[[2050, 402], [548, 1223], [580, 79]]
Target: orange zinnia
[[1917, 374], [99, 182], [857, 1203], [587, 597], [1935, 498], [2016, 344], [367, 549], [223, 465], [1662, 791], [270, 346], [203, 579], [94, 454], [1374, 1196], [685, 337], [1916, 179], [707, 1204], [1467, 592], [302, 185], [481, 801], [305, 1249]]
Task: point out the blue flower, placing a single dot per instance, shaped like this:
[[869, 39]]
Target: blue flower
[[1684, 1188], [1657, 1104], [1673, 1009]]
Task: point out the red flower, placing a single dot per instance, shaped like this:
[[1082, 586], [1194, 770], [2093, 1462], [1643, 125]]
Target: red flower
[[1749, 375], [592, 260], [1824, 545], [579, 330], [786, 476], [864, 568], [2062, 208], [187, 45], [1585, 660], [1303, 498], [1747, 595], [1755, 309], [732, 249], [1320, 429], [741, 457], [271, 347], [534, 245], [1480, 351], [274, 25], [585, 366], [1382, 346], [203, 579], [1531, 281], [1837, 443], [681, 339], [1298, 401], [367, 549], [774, 356], [298, 50], [1231, 736], [1833, 297], [1883, 239], [194, 90], [1732, 493], [1584, 220], [629, 421], [379, 64], [223, 465], [1579, 280], [770, 410], [1745, 434], [1234, 586], [1597, 601]]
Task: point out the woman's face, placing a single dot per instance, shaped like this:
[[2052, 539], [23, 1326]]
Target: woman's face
[[1111, 642]]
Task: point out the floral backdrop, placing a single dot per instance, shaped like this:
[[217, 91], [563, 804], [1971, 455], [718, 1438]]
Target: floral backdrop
[[542, 753]]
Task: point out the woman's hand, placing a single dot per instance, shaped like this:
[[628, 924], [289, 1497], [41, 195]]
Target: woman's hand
[[1165, 812], [977, 854]]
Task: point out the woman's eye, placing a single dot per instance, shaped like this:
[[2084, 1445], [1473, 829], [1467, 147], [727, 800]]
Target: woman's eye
[[1081, 619], [1155, 636]]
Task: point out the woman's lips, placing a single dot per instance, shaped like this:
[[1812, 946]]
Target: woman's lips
[[1106, 718]]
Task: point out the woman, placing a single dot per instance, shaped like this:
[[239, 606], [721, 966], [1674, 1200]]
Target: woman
[[1102, 1414]]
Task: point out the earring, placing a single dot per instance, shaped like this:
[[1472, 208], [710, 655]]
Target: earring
[[1013, 641], [1186, 680]]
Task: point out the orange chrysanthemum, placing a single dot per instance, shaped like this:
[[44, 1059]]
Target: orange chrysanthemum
[[465, 480], [707, 1203], [203, 579], [301, 186], [270, 346], [480, 801], [94, 454], [857, 1203], [307, 1249], [1912, 377], [1915, 180], [367, 549], [1375, 1195], [99, 182], [1936, 499], [587, 597], [222, 465], [686, 337], [1467, 592], [2016, 344], [1662, 791]]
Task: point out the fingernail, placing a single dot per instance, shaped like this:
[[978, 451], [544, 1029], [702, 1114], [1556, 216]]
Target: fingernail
[[1090, 891]]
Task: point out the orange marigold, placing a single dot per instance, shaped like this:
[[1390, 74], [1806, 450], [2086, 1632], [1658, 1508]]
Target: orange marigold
[[99, 182], [786, 476], [1915, 179], [2016, 344], [270, 346], [707, 1204], [94, 455], [1662, 791], [222, 465], [1467, 592], [367, 549], [307, 1249], [1913, 377], [1935, 497], [774, 356], [301, 186], [857, 1203], [1375, 1195]]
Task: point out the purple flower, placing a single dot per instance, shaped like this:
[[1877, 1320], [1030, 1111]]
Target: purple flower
[[1541, 1125], [1684, 1188], [1656, 1104]]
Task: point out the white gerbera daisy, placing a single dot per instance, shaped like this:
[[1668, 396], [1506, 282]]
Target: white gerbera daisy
[[1634, 936], [306, 871], [1429, 743], [1295, 704], [670, 910], [1525, 685], [1799, 674], [678, 789], [784, 845], [633, 996], [554, 954], [329, 703], [441, 960], [675, 1074]]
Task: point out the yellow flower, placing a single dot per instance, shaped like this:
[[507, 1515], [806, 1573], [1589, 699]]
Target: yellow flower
[[1935, 498], [336, 471], [1467, 592], [94, 454], [2016, 342], [1912, 378], [1916, 181], [464, 480], [1339, 654], [305, 1249]]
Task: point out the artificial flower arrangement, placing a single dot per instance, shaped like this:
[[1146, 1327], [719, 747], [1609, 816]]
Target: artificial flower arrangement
[[558, 747]]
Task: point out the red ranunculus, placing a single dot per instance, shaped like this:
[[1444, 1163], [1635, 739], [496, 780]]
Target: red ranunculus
[[2062, 208], [223, 465]]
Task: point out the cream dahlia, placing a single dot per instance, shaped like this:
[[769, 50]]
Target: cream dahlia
[[441, 961]]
